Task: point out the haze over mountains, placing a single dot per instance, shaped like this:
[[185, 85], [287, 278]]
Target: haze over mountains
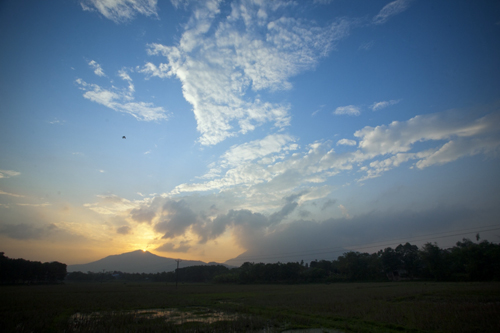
[[135, 262]]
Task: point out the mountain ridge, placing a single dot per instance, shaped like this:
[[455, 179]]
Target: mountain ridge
[[137, 261]]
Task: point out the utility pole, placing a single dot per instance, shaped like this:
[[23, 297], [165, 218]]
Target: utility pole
[[177, 272]]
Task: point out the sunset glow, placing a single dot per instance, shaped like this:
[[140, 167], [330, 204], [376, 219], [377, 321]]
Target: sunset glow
[[275, 130]]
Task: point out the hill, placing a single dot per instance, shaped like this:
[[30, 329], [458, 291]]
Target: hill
[[134, 262]]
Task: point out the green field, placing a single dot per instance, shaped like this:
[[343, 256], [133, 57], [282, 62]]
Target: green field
[[347, 307]]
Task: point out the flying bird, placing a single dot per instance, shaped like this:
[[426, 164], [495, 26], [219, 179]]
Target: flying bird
[[124, 137]]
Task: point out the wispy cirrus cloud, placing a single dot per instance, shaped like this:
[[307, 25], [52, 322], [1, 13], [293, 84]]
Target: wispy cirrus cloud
[[366, 46], [383, 104], [391, 9], [349, 110], [126, 77], [56, 122], [8, 173], [221, 65], [121, 11], [244, 164], [122, 100], [111, 205], [11, 194]]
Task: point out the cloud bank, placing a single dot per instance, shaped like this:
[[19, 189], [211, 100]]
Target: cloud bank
[[223, 62]]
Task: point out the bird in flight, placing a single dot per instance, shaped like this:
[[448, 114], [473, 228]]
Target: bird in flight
[[124, 137]]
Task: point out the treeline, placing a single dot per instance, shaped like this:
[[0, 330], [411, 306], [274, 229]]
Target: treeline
[[467, 261], [202, 273], [21, 271]]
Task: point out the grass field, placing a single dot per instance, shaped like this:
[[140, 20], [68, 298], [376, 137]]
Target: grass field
[[348, 307]]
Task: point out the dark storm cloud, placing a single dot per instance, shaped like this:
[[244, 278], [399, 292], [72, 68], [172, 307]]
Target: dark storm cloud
[[277, 217], [28, 231], [243, 218], [23, 231], [304, 213], [309, 240], [294, 197], [329, 203], [143, 214], [170, 247], [146, 213], [124, 230], [288, 208], [178, 217]]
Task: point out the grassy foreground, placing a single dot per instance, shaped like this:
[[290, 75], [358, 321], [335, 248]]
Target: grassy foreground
[[348, 307]]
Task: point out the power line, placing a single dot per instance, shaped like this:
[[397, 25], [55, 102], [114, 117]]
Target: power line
[[377, 244], [381, 243]]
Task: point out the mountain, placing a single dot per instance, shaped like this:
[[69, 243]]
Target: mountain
[[134, 262], [283, 257]]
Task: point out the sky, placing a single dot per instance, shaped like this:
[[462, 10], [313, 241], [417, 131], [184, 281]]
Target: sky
[[269, 130]]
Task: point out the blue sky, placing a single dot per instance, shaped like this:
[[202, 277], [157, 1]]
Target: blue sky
[[253, 128]]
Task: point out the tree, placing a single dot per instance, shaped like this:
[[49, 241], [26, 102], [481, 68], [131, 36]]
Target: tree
[[435, 263], [409, 258]]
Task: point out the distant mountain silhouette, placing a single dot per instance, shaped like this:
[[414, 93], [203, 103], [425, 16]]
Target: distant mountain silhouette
[[135, 262], [258, 255]]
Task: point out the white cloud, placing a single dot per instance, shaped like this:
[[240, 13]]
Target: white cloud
[[121, 10], [350, 110], [382, 105], [121, 101], [462, 137], [318, 110], [246, 164], [97, 68], [346, 142], [113, 205], [258, 188], [124, 76], [391, 9], [274, 174], [57, 121], [219, 67], [268, 167], [45, 204], [11, 194], [400, 136], [456, 149], [150, 70], [250, 151], [8, 173]]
